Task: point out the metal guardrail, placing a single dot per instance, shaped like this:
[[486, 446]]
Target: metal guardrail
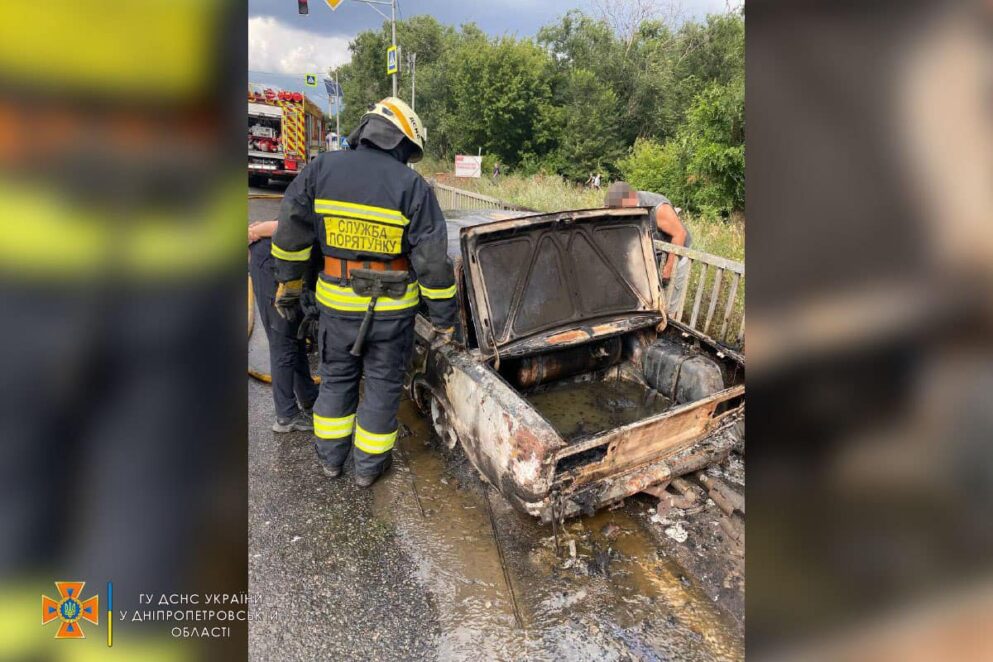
[[720, 312], [455, 199]]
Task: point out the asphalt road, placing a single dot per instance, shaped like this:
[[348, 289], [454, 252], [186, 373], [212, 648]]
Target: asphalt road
[[333, 582]]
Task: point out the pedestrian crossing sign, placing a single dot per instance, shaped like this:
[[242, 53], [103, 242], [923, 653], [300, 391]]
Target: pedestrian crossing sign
[[392, 65], [311, 80]]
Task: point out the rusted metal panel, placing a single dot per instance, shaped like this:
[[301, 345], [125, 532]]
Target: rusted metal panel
[[507, 441], [519, 267], [650, 439], [549, 366], [704, 338], [584, 334], [710, 450]]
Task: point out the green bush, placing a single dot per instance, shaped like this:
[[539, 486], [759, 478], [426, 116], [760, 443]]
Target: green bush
[[653, 166], [702, 168]]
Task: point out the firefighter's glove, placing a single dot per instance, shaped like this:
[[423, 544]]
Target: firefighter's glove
[[442, 337], [308, 303], [311, 317], [287, 301], [308, 329]]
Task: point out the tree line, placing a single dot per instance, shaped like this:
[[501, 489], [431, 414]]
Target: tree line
[[662, 107]]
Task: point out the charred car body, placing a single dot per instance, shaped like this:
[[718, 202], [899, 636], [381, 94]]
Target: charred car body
[[572, 391]]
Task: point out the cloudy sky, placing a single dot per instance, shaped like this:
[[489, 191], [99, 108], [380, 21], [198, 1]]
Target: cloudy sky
[[283, 44]]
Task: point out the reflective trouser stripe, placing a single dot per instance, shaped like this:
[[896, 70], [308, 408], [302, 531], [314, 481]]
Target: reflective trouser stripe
[[365, 212], [301, 255], [333, 428], [345, 299], [444, 293], [373, 443]]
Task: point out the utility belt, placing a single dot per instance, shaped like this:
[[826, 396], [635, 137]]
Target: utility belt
[[367, 287], [341, 269]]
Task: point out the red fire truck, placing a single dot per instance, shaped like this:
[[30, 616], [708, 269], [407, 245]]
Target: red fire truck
[[285, 132]]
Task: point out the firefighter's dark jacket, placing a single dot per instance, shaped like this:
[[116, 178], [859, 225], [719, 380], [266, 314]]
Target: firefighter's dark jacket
[[365, 204]]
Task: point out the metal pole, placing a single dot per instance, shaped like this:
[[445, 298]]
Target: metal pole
[[413, 81], [337, 108], [393, 23]]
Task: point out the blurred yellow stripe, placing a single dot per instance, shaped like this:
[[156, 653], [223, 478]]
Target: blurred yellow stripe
[[157, 47], [47, 236]]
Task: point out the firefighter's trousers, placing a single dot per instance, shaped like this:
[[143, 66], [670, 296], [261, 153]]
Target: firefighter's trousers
[[340, 419], [291, 381]]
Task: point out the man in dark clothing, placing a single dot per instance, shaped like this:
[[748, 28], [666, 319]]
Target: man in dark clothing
[[384, 243], [293, 389]]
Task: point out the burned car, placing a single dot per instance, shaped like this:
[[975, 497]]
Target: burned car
[[571, 390]]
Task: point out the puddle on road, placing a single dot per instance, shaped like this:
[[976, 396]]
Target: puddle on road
[[617, 600], [446, 530], [582, 409]]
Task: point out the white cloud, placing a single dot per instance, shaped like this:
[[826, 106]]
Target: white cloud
[[276, 47]]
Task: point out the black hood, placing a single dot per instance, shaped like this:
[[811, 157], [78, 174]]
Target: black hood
[[374, 131]]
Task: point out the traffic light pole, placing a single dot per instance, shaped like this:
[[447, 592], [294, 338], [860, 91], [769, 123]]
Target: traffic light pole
[[393, 25], [337, 108], [412, 62], [393, 22]]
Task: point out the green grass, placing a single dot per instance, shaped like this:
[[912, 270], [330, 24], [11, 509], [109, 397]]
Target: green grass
[[716, 235], [541, 192]]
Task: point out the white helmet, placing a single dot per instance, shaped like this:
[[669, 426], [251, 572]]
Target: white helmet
[[400, 115]]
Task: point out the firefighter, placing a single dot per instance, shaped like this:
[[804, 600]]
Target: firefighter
[[384, 241]]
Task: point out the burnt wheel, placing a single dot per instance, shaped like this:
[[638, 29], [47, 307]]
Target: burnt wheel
[[440, 420]]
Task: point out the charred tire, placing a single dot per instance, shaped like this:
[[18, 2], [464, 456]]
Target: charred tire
[[420, 395], [440, 419]]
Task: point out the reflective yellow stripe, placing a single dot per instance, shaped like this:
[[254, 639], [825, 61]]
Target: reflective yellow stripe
[[366, 212], [301, 255], [373, 443], [446, 293], [333, 428], [345, 299]]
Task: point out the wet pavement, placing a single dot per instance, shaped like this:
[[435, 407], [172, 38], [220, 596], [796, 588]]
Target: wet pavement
[[431, 563]]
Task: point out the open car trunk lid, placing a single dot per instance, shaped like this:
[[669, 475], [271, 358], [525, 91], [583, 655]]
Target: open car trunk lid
[[553, 280]]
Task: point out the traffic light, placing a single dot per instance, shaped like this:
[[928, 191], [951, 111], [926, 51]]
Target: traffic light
[[302, 7]]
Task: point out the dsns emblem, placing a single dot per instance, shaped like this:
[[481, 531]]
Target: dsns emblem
[[70, 609]]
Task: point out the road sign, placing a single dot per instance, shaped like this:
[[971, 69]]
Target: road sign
[[333, 4], [310, 80], [468, 166], [392, 62]]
